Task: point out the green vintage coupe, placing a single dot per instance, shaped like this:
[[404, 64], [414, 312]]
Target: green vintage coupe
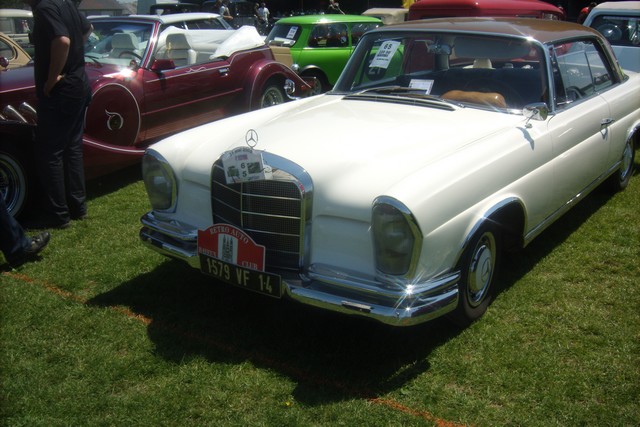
[[321, 44]]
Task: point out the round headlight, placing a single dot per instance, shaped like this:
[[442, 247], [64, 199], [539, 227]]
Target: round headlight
[[159, 181], [395, 237]]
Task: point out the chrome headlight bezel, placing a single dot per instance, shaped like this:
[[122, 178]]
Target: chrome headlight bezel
[[397, 239], [159, 181]]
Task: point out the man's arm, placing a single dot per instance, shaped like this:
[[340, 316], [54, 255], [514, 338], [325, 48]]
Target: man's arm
[[86, 35], [59, 53]]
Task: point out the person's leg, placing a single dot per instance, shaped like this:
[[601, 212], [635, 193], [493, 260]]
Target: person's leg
[[51, 138], [74, 166], [13, 241]]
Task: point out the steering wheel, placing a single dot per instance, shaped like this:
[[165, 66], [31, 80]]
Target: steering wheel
[[573, 93], [130, 53]]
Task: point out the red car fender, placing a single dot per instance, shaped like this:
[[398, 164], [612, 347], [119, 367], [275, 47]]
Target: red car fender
[[266, 71]]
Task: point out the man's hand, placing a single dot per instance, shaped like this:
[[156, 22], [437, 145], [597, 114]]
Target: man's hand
[[50, 83], [59, 53]]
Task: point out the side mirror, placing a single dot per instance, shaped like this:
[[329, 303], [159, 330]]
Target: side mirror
[[162, 64], [538, 111]]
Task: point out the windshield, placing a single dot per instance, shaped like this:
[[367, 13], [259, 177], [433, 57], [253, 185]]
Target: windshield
[[481, 71], [619, 30], [118, 42], [284, 34]]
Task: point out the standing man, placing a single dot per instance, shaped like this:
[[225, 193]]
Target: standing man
[[63, 91], [263, 18], [225, 11]]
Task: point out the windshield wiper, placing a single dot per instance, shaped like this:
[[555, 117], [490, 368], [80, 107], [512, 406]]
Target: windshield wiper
[[400, 93]]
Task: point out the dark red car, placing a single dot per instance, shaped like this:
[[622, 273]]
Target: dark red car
[[495, 8], [151, 76]]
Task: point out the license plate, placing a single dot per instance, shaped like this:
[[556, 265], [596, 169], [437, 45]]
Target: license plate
[[258, 281]]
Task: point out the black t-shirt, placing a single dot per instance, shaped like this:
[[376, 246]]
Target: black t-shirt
[[55, 18]]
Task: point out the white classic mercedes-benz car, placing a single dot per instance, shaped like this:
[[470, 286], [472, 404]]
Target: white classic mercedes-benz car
[[443, 143]]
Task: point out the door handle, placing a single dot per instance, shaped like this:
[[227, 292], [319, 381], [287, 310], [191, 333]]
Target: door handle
[[223, 71], [606, 122]]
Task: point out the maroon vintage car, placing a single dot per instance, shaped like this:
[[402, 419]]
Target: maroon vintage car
[[151, 76], [495, 8]]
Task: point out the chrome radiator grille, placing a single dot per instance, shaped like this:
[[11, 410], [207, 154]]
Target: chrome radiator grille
[[270, 211]]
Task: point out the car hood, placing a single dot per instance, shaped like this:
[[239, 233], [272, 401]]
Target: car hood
[[353, 150]]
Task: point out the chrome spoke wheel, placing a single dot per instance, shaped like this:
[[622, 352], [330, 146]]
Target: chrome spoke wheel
[[272, 95]]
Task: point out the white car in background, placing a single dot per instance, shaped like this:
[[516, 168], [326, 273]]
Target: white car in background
[[17, 24], [619, 22]]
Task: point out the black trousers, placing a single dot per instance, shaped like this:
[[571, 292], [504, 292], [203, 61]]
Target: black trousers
[[59, 157]]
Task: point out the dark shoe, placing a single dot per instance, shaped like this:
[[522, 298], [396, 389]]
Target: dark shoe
[[38, 243], [79, 217]]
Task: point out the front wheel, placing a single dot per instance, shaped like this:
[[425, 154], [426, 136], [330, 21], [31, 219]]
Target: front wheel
[[14, 180], [478, 268], [272, 95]]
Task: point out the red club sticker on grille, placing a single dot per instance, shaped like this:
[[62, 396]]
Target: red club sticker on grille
[[232, 245]]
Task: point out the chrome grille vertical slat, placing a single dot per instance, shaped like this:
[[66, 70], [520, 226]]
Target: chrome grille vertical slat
[[273, 212]]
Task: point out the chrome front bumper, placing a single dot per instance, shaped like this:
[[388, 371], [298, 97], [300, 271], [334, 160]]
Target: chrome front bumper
[[323, 287]]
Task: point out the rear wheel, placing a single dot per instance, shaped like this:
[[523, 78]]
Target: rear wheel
[[272, 95], [321, 85], [14, 179], [478, 268], [620, 179]]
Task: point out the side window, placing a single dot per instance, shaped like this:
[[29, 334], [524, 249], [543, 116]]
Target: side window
[[6, 51], [329, 35], [619, 30], [580, 71], [358, 30], [338, 35], [204, 24], [318, 36]]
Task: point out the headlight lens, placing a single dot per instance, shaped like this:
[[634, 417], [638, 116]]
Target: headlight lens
[[395, 236], [159, 181]]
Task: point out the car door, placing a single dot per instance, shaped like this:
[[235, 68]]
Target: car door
[[187, 95], [328, 49], [580, 129]]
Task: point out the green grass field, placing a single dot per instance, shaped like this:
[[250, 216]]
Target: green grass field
[[103, 332]]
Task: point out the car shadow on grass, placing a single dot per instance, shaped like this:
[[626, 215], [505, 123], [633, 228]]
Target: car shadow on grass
[[190, 315], [330, 356], [112, 182]]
